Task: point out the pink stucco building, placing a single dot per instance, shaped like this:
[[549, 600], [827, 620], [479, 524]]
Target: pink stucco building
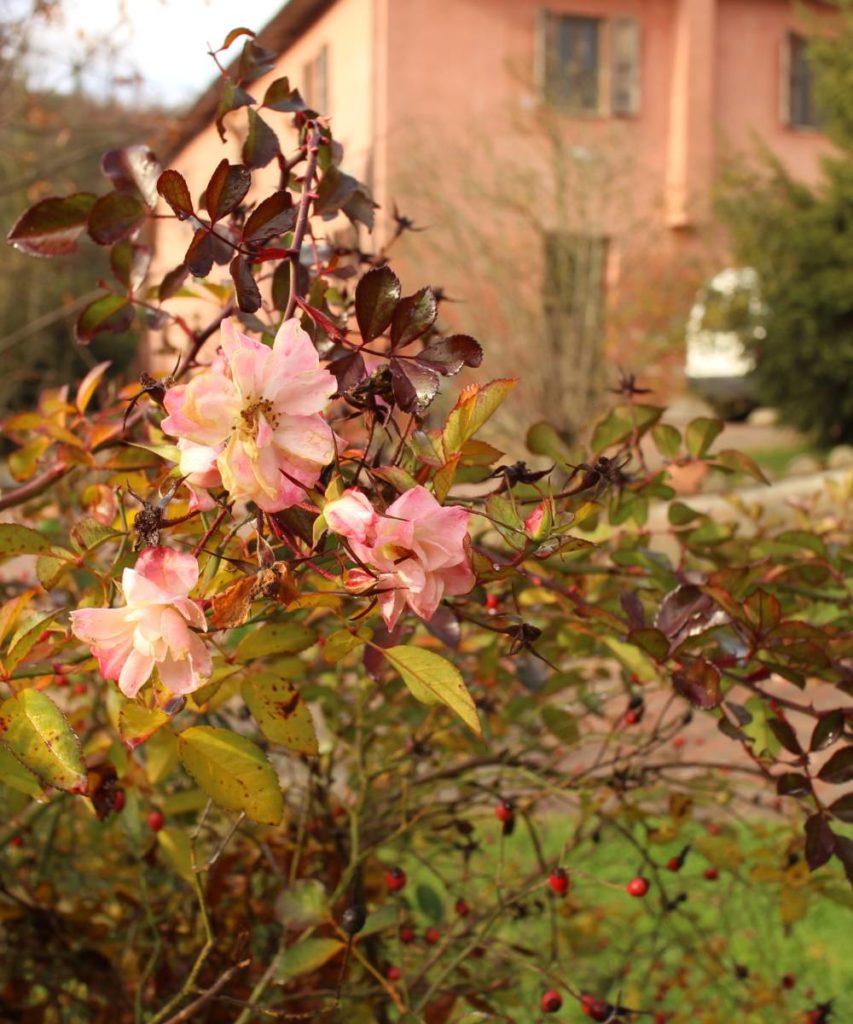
[[564, 154]]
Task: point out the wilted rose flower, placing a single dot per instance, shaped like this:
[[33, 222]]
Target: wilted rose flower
[[153, 628], [259, 409], [417, 550]]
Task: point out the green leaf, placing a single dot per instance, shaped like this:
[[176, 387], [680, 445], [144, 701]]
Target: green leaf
[[52, 226], [736, 462], [343, 642], [21, 540], [280, 96], [175, 844], [302, 904], [667, 439], [560, 724], [380, 920], [34, 729], [543, 439], [27, 637], [14, 775], [280, 712], [621, 423], [634, 659], [429, 902], [111, 313], [305, 957], [115, 216], [376, 297], [701, 434], [433, 680], [275, 638], [233, 772]]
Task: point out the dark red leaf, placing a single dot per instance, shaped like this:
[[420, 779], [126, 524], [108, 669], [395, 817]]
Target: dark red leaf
[[270, 218], [232, 98], [261, 143], [130, 263], [51, 227], [792, 784], [838, 770], [134, 169], [413, 317], [820, 841], [255, 62], [226, 189], [684, 608], [172, 282], [828, 729], [115, 216], [199, 256], [323, 322], [112, 313], [449, 355], [248, 295], [174, 189], [785, 735], [843, 809], [335, 189], [414, 386], [376, 297], [699, 682], [349, 370], [360, 207], [279, 96], [844, 852]]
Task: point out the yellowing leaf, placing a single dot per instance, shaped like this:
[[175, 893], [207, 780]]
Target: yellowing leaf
[[161, 756], [433, 680], [21, 540], [175, 844], [34, 729], [88, 385], [233, 772], [136, 722], [306, 956], [475, 405], [280, 712]]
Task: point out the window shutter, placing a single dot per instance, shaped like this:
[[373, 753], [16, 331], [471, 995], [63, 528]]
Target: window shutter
[[785, 79], [625, 67]]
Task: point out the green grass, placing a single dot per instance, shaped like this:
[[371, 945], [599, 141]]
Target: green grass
[[609, 943]]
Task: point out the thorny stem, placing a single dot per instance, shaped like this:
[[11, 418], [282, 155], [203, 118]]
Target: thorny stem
[[302, 218]]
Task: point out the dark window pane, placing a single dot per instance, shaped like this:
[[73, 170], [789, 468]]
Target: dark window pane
[[802, 112], [573, 60]]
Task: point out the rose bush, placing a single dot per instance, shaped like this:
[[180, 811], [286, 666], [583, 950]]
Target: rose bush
[[427, 733]]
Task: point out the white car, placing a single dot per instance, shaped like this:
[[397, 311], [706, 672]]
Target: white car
[[725, 321]]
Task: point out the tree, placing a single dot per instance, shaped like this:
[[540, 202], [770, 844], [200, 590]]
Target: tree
[[800, 240]]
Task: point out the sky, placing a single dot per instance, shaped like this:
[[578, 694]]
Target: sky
[[165, 40]]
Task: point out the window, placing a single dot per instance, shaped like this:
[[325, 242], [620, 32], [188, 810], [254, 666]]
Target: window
[[801, 108], [590, 65], [315, 82]]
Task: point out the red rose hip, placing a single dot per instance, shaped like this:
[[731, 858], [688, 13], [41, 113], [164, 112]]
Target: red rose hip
[[638, 886], [156, 820], [551, 1001], [395, 879], [558, 881]]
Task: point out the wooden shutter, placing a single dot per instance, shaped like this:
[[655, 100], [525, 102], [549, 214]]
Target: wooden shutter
[[625, 67]]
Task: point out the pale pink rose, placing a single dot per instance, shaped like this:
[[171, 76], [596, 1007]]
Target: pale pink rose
[[259, 408], [198, 464], [417, 550], [153, 628]]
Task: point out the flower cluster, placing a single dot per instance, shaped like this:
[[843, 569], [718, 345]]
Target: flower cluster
[[251, 421], [415, 554], [153, 628]]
